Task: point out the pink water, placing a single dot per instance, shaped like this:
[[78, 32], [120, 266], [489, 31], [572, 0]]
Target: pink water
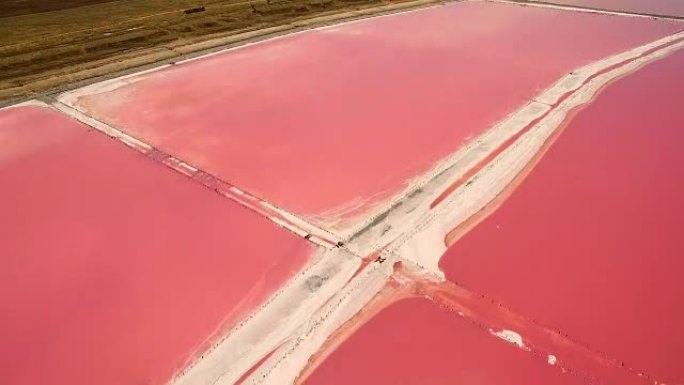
[[589, 243], [657, 7], [116, 269], [416, 342], [330, 122]]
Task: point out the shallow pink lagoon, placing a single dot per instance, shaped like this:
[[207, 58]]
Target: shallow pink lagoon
[[414, 341], [655, 7], [590, 242], [116, 269], [328, 123]]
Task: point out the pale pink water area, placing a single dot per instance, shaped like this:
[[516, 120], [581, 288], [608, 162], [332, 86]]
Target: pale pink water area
[[590, 242], [329, 122], [115, 269], [656, 7]]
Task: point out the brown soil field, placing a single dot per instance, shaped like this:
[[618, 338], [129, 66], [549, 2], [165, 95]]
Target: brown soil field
[[43, 49], [25, 7]]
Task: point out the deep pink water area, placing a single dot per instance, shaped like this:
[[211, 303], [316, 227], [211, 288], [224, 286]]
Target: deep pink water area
[[114, 268], [416, 342], [590, 242], [655, 7], [329, 122]]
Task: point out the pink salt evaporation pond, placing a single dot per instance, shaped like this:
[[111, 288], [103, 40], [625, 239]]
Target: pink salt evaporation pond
[[590, 242], [653, 7], [415, 341], [116, 269], [330, 123]]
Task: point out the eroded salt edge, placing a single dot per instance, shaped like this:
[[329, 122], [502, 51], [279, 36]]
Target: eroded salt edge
[[575, 79]]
